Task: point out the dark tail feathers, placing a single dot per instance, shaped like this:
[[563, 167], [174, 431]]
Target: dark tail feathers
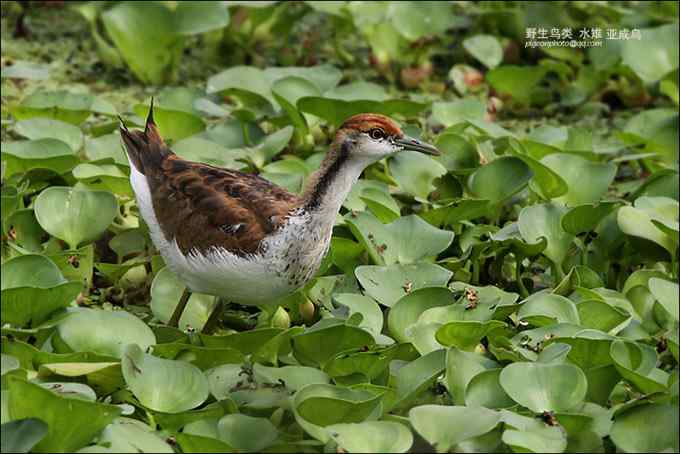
[[146, 149]]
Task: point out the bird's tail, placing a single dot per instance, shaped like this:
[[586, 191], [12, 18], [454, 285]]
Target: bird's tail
[[146, 149]]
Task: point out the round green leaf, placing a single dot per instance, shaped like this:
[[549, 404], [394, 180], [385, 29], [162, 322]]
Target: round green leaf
[[544, 220], [30, 271], [104, 332], [646, 428], [24, 155], [387, 284], [372, 436], [40, 128], [545, 387], [485, 48], [22, 434], [408, 308], [499, 179], [163, 385], [484, 390], [446, 426], [548, 308], [246, 433], [666, 293], [588, 181], [75, 215]]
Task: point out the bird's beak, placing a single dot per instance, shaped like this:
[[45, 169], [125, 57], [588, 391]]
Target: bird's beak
[[409, 143]]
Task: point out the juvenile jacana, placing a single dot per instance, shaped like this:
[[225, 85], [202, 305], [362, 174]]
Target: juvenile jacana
[[238, 236]]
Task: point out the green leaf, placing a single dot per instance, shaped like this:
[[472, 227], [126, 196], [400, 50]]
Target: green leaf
[[544, 387], [484, 390], [104, 332], [71, 423], [173, 124], [461, 368], [653, 56], [414, 21], [246, 433], [636, 363], [75, 215], [163, 385], [146, 36], [500, 179], [387, 284], [450, 113], [485, 48], [588, 181], [336, 111], [22, 435], [41, 128], [517, 81], [414, 378], [547, 308], [372, 436], [199, 17], [666, 293], [409, 307], [446, 426], [319, 344], [166, 291], [646, 428], [544, 220], [26, 155], [584, 218], [465, 335]]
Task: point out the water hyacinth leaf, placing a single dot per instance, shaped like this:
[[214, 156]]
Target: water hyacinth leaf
[[146, 37], [418, 375], [500, 179], [372, 436], [546, 309], [25, 155], [584, 218], [22, 435], [458, 154], [484, 390], [636, 222], [390, 243], [636, 363], [646, 428], [246, 433], [41, 128], [293, 377], [163, 385], [197, 149], [457, 211], [446, 426], [105, 148], [72, 423], [75, 215], [287, 91], [451, 113], [408, 308], [323, 405], [316, 346], [126, 435], [108, 177], [544, 387], [415, 21], [652, 64], [387, 284], [517, 81], [30, 270], [465, 335], [174, 125], [415, 173], [461, 368], [166, 291], [485, 48], [62, 105], [30, 306], [335, 111], [599, 315], [104, 332], [544, 220], [657, 129], [666, 293], [372, 316], [200, 17], [588, 181], [534, 436]]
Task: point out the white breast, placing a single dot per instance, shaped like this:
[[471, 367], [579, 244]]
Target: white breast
[[291, 257]]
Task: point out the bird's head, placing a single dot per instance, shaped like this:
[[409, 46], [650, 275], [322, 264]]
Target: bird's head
[[370, 137]]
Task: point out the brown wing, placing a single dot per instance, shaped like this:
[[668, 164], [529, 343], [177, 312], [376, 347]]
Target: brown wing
[[203, 206]]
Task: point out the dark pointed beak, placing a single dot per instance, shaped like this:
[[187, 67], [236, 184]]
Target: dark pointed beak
[[409, 143]]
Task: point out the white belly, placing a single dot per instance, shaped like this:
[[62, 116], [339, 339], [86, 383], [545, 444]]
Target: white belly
[[258, 279]]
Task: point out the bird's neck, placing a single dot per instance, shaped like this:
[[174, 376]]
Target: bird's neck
[[328, 187]]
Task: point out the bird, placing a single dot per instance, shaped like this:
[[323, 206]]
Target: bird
[[238, 236]]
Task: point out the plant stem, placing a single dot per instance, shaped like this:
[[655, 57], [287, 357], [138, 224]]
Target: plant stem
[[518, 276]]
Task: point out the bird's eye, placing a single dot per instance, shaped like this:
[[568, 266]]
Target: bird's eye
[[377, 134]]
